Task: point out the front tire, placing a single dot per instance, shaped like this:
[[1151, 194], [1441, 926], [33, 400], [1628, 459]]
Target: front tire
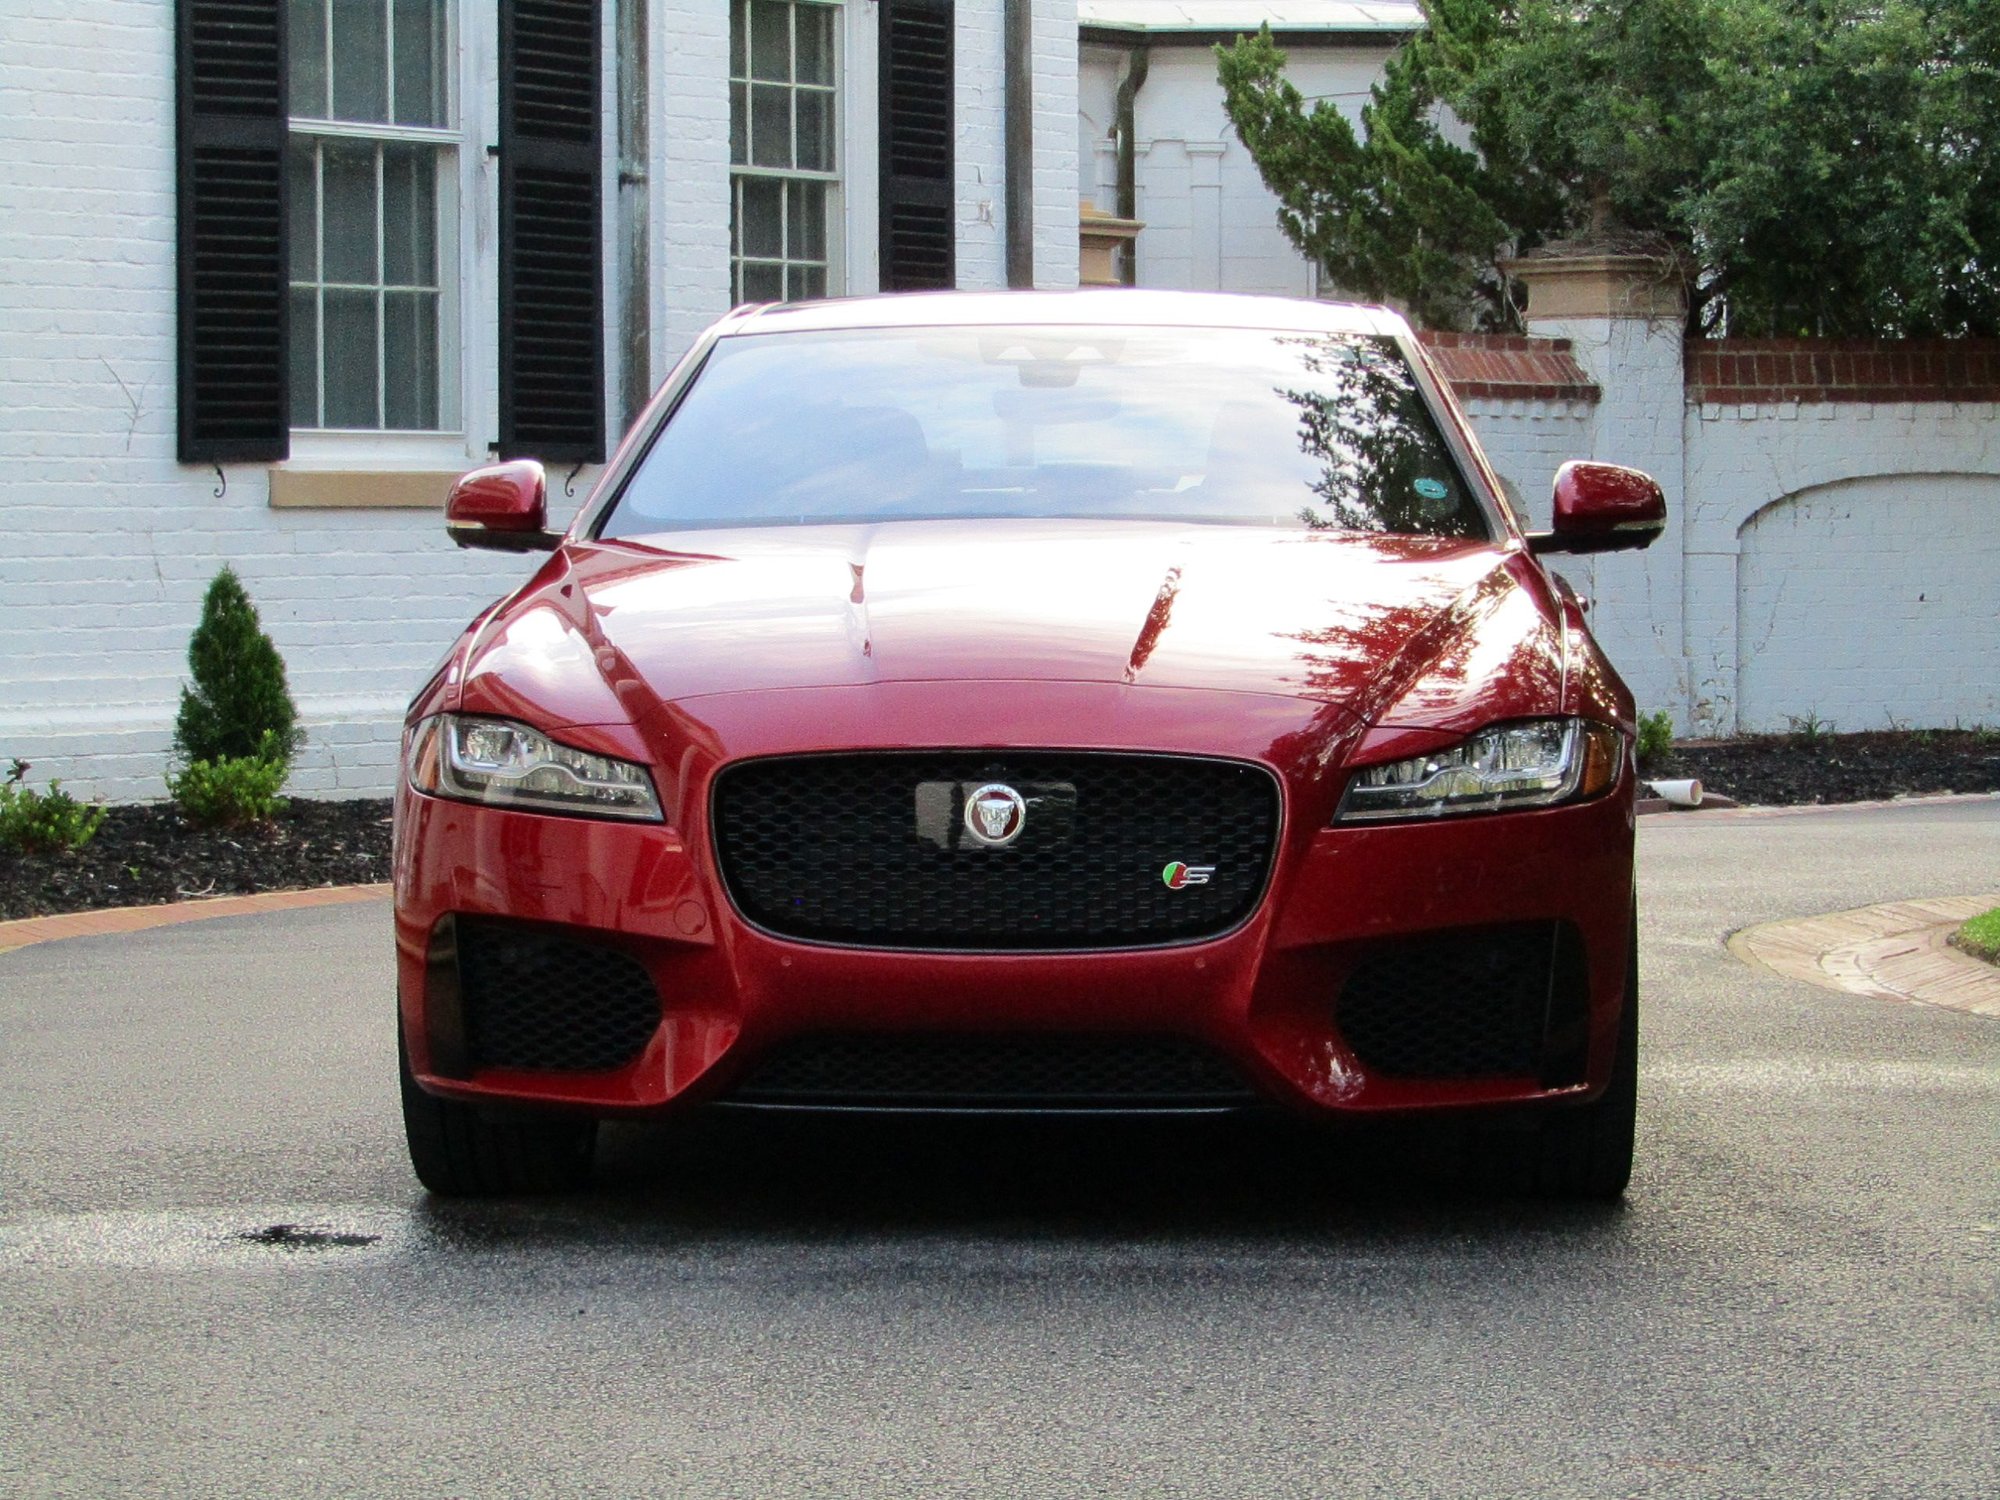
[[460, 1151], [1582, 1152]]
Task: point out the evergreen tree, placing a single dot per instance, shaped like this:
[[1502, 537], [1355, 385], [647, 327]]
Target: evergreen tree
[[1812, 166], [239, 704]]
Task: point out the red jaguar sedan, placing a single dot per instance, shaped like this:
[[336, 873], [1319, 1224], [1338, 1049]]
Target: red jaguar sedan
[[1098, 701]]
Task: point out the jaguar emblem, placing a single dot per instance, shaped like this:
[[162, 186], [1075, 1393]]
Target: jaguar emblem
[[995, 814]]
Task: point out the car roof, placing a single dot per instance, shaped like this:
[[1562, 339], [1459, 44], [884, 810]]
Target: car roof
[[1107, 307]]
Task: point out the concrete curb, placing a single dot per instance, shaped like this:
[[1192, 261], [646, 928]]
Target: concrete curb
[[119, 919], [1894, 951]]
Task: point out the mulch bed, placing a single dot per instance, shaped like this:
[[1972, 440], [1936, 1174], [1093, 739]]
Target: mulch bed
[[1780, 770], [148, 854], [144, 855]]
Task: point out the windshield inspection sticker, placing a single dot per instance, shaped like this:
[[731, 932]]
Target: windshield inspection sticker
[[1179, 876]]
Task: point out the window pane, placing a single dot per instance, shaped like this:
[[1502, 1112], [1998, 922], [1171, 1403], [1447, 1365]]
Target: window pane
[[763, 283], [350, 359], [770, 125], [763, 225], [305, 357], [409, 216], [815, 44], [815, 130], [805, 282], [303, 210], [305, 45], [739, 126], [806, 220], [350, 212], [409, 359], [360, 61], [739, 51], [419, 48], [770, 40]]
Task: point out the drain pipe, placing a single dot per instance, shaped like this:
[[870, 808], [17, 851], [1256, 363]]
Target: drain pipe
[[1020, 126], [1138, 60]]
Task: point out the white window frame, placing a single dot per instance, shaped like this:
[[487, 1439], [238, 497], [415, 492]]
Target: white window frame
[[468, 266], [838, 228]]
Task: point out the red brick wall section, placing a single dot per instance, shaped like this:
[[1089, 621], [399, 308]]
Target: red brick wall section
[[1745, 372], [1500, 367]]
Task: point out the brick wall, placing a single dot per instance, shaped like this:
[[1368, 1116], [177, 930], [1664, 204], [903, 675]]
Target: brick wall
[[1755, 371]]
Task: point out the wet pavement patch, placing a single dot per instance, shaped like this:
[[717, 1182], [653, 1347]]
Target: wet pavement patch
[[307, 1237]]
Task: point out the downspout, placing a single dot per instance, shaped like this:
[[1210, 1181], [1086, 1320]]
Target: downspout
[[635, 276], [1137, 62], [1020, 127]]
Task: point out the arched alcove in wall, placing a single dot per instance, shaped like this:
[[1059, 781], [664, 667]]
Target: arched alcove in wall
[[1871, 602]]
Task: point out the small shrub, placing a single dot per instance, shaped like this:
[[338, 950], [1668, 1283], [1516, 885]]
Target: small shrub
[[1809, 731], [1656, 736], [233, 790], [239, 695], [33, 822]]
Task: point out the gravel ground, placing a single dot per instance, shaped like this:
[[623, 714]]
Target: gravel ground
[[148, 854]]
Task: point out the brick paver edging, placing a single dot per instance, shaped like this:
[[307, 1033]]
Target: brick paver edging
[[116, 919], [1895, 951]]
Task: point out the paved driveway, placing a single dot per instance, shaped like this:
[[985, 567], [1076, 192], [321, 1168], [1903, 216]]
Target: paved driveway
[[1798, 1298]]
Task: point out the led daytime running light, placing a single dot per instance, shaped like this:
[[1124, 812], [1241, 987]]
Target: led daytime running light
[[506, 764], [1533, 763]]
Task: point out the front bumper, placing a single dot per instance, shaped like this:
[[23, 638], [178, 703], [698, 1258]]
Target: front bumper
[[1265, 997]]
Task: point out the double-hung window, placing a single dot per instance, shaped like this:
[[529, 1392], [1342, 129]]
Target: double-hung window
[[784, 178], [372, 163]]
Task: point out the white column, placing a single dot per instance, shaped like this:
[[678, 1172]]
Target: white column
[[1625, 319], [1205, 214]]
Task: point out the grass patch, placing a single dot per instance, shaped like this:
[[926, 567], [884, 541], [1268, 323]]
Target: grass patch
[[1981, 936]]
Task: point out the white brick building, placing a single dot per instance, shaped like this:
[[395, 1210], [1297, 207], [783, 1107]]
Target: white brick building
[[384, 127], [1836, 552]]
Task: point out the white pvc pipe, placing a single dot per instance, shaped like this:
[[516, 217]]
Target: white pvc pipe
[[1678, 793]]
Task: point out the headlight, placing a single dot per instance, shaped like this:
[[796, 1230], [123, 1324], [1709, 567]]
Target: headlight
[[505, 764], [1534, 763]]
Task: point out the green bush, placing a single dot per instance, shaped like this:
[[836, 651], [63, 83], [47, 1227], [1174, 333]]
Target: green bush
[[33, 822], [239, 695], [233, 790], [1656, 736]]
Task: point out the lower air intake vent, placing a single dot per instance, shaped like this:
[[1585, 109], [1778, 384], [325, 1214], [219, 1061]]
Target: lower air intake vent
[[989, 1072], [554, 1004], [1490, 1002]]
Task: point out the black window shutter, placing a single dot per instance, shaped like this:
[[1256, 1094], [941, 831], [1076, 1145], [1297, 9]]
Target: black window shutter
[[551, 232], [229, 134], [918, 191]]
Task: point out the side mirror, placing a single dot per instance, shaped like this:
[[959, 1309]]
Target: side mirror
[[1602, 508], [504, 507]]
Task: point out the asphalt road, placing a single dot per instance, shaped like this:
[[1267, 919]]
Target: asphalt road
[[1797, 1299]]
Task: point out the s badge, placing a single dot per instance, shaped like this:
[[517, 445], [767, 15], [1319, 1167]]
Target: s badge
[[1178, 876]]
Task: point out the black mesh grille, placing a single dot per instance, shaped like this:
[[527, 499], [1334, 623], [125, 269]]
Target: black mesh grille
[[870, 849], [535, 1000], [995, 1072], [1466, 1004]]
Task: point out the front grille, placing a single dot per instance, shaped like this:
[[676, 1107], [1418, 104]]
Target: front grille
[[871, 849], [1486, 1002], [950, 1071], [535, 1000]]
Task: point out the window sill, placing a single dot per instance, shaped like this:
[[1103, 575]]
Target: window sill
[[361, 489]]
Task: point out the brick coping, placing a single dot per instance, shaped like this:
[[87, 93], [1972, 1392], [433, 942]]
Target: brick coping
[[1892, 951], [120, 919]]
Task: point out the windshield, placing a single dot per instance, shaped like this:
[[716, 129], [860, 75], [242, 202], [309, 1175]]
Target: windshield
[[1318, 430]]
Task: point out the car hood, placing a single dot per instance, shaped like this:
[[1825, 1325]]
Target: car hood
[[1429, 628]]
